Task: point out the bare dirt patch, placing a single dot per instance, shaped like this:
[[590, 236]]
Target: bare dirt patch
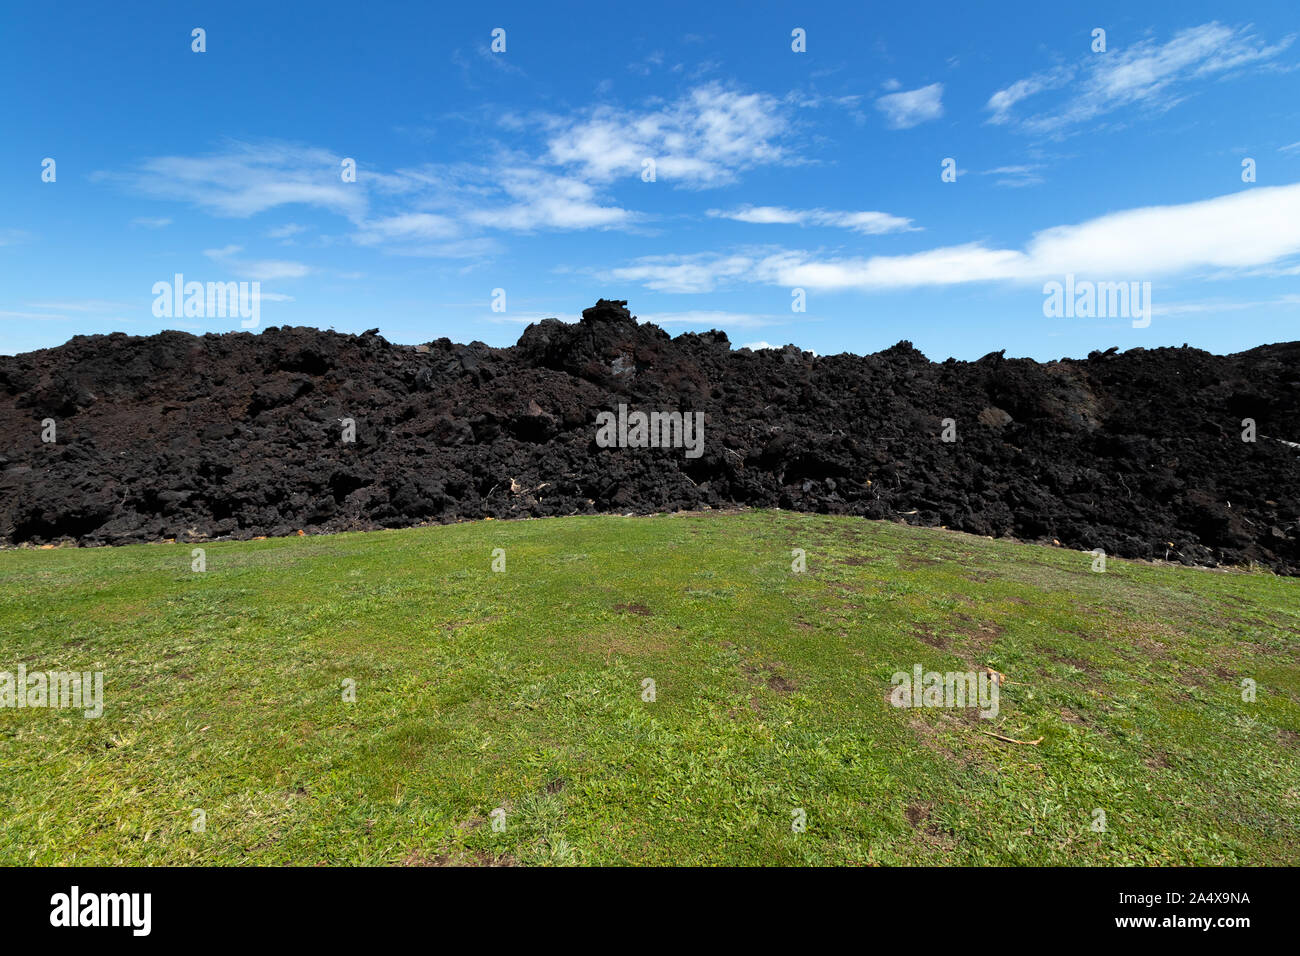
[[1078, 663], [918, 815], [925, 635], [771, 676], [780, 684], [458, 858], [640, 609], [978, 634]]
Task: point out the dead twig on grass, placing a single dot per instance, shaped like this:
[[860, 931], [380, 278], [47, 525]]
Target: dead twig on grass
[[1012, 740]]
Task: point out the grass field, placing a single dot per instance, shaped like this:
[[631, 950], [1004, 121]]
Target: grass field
[[522, 691]]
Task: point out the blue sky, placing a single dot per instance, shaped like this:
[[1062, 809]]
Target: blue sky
[[774, 169]]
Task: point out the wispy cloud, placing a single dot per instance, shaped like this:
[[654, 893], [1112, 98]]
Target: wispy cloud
[[1147, 74], [1002, 102], [691, 273], [1215, 306], [436, 211], [81, 310], [702, 139], [478, 248], [37, 316], [542, 200], [866, 222], [248, 179], [484, 62], [1235, 233], [81, 305], [1016, 176], [287, 231], [406, 227], [262, 270], [909, 108], [647, 64], [705, 137]]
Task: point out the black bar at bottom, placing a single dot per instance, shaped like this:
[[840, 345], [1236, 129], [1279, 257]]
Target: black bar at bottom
[[334, 906]]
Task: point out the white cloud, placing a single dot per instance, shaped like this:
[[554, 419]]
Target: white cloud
[[648, 64], [431, 211], [479, 247], [1144, 74], [1246, 230], [1001, 102], [697, 273], [912, 107], [1016, 176], [224, 252], [267, 269], [546, 201], [260, 270], [1211, 307], [867, 223], [151, 222], [39, 316], [702, 139], [81, 305], [248, 179], [766, 215], [406, 227], [945, 266], [759, 346]]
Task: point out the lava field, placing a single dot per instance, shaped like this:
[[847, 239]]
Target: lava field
[[173, 436]]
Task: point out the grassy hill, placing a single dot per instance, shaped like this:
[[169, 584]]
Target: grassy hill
[[523, 690]]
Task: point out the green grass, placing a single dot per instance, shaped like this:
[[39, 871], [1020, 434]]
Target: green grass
[[522, 690]]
